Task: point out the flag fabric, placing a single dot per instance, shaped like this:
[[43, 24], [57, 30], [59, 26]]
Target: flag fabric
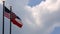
[[14, 18]]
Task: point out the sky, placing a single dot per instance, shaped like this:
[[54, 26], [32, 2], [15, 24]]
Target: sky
[[34, 2], [38, 16], [56, 30]]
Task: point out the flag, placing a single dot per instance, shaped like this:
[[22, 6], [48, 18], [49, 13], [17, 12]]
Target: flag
[[14, 18]]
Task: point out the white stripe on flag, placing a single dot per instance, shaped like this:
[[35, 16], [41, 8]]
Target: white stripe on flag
[[18, 21]]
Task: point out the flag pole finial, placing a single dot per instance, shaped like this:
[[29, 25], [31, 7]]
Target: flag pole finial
[[3, 3]]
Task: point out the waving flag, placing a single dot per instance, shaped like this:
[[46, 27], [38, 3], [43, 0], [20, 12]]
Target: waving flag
[[14, 18]]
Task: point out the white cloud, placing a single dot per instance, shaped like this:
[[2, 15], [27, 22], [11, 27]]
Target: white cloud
[[46, 14]]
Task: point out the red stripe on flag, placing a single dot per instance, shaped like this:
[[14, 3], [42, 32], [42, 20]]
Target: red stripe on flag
[[16, 23], [7, 15]]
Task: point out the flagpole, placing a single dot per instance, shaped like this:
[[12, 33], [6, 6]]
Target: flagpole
[[3, 17], [10, 19]]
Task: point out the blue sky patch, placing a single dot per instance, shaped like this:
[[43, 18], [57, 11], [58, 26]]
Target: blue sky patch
[[34, 2], [56, 31]]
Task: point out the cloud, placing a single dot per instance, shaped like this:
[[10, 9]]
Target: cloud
[[45, 15]]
